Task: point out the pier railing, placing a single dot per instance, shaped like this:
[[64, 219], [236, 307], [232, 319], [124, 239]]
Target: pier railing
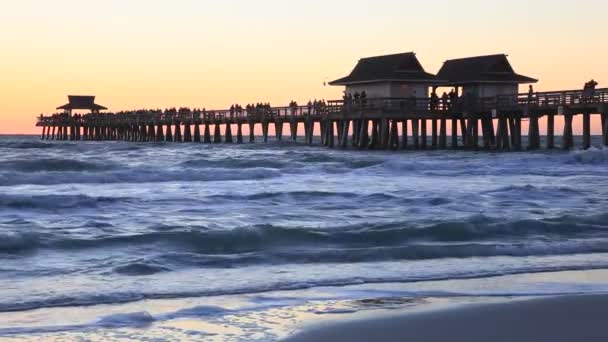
[[406, 106]]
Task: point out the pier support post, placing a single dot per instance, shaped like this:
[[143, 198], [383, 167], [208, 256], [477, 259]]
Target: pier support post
[[278, 129], [330, 133], [404, 134], [502, 139], [228, 133], [178, 132], [355, 136], [415, 133], [454, 133], [518, 141], [217, 134], [251, 132], [307, 128], [207, 134], [169, 135], [43, 133], [375, 139], [512, 129], [187, 132], [323, 127], [463, 132], [423, 134], [159, 133], [323, 124], [143, 133], [550, 131], [239, 133], [345, 129], [533, 133], [339, 129], [151, 132], [475, 132], [443, 139], [363, 134], [384, 133], [485, 132], [311, 130], [586, 130], [605, 128], [197, 132], [393, 142], [434, 137], [265, 124], [568, 141], [468, 136], [293, 128]]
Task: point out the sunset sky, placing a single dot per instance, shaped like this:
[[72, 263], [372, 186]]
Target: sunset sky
[[136, 53]]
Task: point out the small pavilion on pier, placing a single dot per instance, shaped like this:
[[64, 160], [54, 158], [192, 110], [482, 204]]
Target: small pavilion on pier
[[79, 102], [398, 75], [483, 76]]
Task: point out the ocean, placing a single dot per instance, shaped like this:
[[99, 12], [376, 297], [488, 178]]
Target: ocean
[[141, 241]]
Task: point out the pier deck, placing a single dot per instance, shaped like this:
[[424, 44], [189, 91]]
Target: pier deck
[[379, 123]]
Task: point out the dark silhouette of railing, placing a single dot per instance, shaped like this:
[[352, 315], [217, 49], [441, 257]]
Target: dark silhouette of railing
[[406, 106]]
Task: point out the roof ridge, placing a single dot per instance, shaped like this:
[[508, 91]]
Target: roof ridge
[[477, 57], [389, 55]]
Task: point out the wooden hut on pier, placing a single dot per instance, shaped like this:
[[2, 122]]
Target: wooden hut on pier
[[390, 76], [79, 102], [483, 76]]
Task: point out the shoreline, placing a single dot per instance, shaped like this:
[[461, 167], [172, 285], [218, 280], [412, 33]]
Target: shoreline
[[565, 318]]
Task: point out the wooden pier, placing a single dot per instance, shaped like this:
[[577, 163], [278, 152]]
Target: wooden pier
[[490, 123]]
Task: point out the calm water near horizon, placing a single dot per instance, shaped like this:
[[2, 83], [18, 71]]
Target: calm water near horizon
[[113, 240]]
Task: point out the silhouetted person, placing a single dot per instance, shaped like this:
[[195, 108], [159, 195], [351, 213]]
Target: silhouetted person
[[589, 90], [444, 100], [453, 98], [434, 100]]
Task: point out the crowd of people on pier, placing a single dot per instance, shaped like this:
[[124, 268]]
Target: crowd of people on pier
[[186, 113], [446, 102]]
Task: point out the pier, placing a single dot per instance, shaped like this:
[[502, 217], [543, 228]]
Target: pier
[[487, 116]]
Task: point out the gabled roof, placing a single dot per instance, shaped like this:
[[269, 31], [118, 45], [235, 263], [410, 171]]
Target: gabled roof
[[402, 67], [82, 102], [482, 69]]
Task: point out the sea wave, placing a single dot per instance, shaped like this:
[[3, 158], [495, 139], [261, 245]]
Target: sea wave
[[407, 240], [119, 297], [592, 156], [54, 165], [136, 176], [54, 202]]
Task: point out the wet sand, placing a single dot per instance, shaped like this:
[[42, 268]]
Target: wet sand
[[572, 318]]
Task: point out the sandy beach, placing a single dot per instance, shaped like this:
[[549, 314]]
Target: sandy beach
[[572, 318]]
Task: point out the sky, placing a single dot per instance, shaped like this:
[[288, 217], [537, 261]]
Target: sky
[[154, 54]]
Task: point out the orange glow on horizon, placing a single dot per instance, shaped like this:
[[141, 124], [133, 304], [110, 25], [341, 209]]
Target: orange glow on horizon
[[155, 54]]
